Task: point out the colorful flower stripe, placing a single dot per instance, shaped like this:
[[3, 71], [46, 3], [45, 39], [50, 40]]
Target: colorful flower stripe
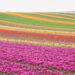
[[40, 19], [37, 35], [37, 43], [71, 45], [37, 31], [29, 21]]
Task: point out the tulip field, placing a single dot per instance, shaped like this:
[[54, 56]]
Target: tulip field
[[37, 43]]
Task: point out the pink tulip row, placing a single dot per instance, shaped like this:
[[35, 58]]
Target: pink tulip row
[[12, 67], [20, 69], [59, 58]]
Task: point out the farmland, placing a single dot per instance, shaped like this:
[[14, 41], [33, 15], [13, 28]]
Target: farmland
[[37, 43]]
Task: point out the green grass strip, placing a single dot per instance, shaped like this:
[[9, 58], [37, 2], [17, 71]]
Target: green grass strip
[[21, 20]]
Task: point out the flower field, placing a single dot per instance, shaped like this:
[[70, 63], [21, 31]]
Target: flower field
[[37, 43]]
